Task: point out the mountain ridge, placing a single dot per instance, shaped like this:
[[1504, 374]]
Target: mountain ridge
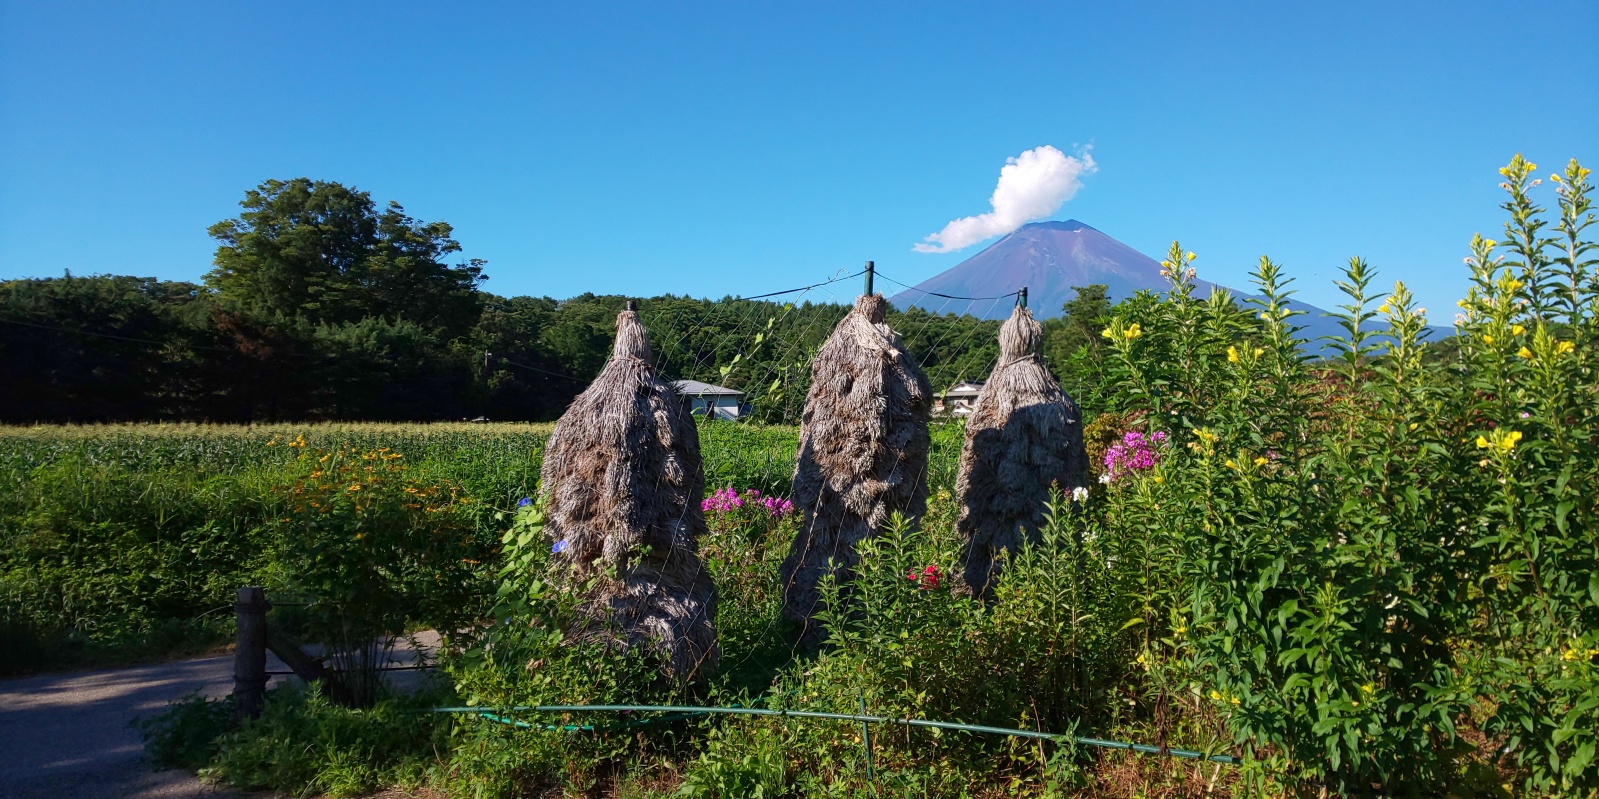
[[1052, 257]]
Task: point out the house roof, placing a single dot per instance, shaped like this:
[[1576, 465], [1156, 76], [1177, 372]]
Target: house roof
[[964, 389], [694, 388]]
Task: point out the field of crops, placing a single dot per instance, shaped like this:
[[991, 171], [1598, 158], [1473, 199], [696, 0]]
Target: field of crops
[[123, 541]]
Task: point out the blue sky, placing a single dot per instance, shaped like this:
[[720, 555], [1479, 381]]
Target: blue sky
[[709, 148]]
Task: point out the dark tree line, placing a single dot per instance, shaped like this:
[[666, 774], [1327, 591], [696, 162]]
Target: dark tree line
[[322, 306]]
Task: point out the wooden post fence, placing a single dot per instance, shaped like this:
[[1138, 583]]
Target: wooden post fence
[[249, 654]]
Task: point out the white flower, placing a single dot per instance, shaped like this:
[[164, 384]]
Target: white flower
[[1104, 478], [1079, 494]]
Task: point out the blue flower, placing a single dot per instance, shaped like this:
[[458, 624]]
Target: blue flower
[[560, 546], [524, 502]]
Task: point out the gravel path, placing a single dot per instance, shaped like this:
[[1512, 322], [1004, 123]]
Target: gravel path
[[68, 736]]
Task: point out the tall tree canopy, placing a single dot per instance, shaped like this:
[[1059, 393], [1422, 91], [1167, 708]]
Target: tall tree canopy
[[319, 251]]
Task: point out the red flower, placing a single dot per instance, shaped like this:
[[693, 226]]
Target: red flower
[[926, 579]]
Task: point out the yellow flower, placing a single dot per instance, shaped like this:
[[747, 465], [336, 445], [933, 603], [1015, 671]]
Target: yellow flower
[[1260, 461], [1516, 330], [1159, 479], [1514, 285], [1487, 339], [1106, 333], [1412, 425], [1232, 355], [1502, 440], [356, 487], [1215, 694], [1258, 352], [1384, 308], [1525, 353], [1564, 347], [1368, 688], [1230, 464], [1205, 435], [1189, 256], [1133, 331]]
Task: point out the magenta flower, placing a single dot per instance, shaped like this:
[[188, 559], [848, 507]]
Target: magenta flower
[[1134, 453]]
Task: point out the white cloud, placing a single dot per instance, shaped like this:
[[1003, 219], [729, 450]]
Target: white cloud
[[1031, 186]]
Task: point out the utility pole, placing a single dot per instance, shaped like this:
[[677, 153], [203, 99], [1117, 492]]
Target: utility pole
[[871, 271]]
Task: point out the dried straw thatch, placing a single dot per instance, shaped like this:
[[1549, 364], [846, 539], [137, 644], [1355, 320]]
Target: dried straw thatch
[[1023, 436], [623, 482], [862, 454]]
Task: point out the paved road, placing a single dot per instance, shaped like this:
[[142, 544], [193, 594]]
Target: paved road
[[68, 736]]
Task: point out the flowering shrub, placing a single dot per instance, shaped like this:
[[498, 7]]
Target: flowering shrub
[[1354, 557], [376, 547], [728, 500], [1134, 453]]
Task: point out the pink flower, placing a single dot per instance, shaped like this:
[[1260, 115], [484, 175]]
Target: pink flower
[[1134, 453]]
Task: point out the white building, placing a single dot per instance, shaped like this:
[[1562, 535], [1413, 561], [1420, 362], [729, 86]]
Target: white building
[[958, 400], [705, 399]]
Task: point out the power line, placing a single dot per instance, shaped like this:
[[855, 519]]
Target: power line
[[111, 336], [509, 362], [946, 296], [802, 288]]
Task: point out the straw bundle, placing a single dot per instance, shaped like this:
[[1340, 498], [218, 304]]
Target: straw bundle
[[1024, 435], [623, 481], [862, 454]]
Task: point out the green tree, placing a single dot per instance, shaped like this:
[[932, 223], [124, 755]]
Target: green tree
[[1073, 347], [322, 252]]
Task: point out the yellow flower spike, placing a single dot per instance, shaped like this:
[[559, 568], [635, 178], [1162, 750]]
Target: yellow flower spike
[[1524, 353], [1232, 355], [1516, 330]]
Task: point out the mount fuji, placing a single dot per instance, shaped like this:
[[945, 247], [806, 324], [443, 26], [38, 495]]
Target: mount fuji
[[1049, 258]]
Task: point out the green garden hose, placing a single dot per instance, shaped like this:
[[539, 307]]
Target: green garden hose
[[686, 711]]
